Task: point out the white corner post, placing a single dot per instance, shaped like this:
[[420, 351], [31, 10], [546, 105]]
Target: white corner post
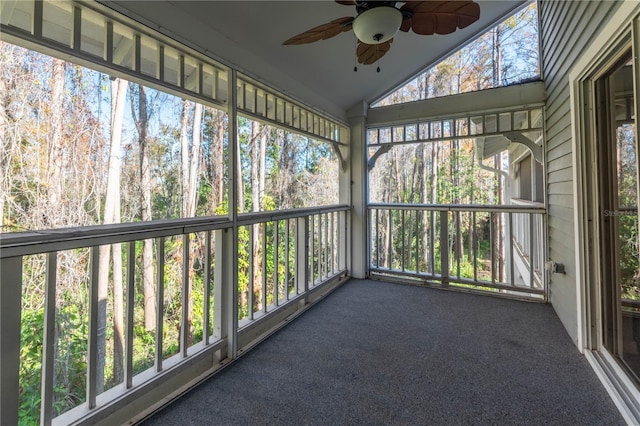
[[226, 241], [357, 174]]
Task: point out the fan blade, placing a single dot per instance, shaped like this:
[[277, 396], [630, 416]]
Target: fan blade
[[346, 2], [439, 17], [322, 32], [370, 53]]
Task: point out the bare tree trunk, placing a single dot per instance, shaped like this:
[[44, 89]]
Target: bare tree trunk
[[6, 151], [55, 161], [497, 56], [499, 224], [118, 97], [433, 184], [472, 201], [184, 154], [262, 172], [220, 155], [141, 119], [194, 181], [194, 165], [258, 148], [240, 187], [424, 224], [190, 156], [457, 200]]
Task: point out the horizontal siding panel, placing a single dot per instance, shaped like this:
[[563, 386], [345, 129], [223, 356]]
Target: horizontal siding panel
[[561, 149], [583, 28], [553, 30], [560, 163], [561, 122], [556, 101], [563, 212], [560, 227], [560, 251], [583, 31], [555, 143], [563, 193], [567, 28], [561, 243], [563, 175], [560, 255], [559, 198], [545, 14], [563, 36]]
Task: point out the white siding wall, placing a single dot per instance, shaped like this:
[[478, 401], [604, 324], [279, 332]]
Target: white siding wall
[[567, 28]]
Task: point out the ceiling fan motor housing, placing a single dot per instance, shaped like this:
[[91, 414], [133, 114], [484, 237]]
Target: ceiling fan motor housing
[[378, 24]]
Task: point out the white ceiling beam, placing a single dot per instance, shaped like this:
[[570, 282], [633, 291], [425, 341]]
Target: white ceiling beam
[[499, 99]]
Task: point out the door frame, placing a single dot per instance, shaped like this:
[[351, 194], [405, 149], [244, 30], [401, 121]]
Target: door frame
[[621, 33]]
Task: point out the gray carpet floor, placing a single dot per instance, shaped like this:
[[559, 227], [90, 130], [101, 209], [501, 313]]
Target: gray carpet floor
[[374, 353]]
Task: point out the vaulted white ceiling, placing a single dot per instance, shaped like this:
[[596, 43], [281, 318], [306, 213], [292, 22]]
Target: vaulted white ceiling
[[249, 34]]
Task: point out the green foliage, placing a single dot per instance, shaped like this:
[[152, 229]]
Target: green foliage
[[629, 265], [31, 338]]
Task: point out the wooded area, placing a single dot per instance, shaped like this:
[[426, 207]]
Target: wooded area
[[506, 54], [453, 171], [79, 147]]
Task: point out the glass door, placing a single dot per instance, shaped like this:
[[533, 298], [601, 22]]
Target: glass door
[[618, 199]]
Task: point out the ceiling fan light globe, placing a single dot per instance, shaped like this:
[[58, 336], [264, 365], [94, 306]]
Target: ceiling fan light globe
[[377, 25]]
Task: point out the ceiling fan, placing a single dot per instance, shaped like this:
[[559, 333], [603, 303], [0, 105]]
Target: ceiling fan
[[377, 22]]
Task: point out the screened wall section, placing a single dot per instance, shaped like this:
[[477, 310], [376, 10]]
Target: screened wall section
[[441, 205], [160, 212]]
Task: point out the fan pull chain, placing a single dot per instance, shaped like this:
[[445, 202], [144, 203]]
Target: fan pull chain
[[378, 69], [355, 63]]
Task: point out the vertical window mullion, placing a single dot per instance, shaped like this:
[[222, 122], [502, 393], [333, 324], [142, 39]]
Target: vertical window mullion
[[48, 355], [159, 302], [206, 315], [38, 17], [109, 43], [131, 280], [77, 28], [92, 350], [184, 323]]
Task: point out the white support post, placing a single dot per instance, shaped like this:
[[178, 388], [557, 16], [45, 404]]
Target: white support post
[[353, 191], [226, 292], [276, 264], [444, 246], [230, 252], [510, 255], [302, 255], [10, 306]]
